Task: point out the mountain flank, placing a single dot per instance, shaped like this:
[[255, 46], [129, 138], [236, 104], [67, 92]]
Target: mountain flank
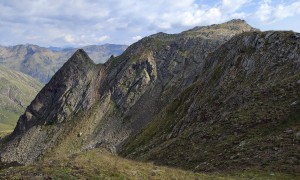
[[242, 111], [214, 98], [16, 92]]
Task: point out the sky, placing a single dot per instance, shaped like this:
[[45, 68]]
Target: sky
[[64, 23]]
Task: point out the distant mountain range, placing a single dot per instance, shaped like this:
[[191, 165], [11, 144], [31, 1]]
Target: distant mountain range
[[41, 63], [17, 90]]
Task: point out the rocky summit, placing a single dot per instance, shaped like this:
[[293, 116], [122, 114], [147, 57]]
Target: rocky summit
[[213, 98]]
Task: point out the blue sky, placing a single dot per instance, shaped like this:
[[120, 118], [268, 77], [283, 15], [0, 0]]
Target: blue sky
[[84, 22]]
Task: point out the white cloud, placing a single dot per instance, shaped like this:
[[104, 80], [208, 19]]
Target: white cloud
[[103, 38], [136, 38], [270, 12], [82, 22], [233, 5], [81, 40], [69, 39], [283, 11], [264, 11]]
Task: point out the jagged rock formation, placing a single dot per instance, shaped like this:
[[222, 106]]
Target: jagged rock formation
[[72, 91], [17, 90], [42, 63], [162, 91]]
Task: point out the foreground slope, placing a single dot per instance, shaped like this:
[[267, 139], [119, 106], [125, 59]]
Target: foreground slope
[[17, 90], [99, 164], [242, 112], [204, 99], [41, 63]]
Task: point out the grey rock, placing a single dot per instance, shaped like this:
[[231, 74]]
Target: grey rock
[[297, 134], [294, 103]]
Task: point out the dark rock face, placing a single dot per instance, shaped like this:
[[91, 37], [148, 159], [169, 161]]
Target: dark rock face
[[68, 92], [72, 91], [164, 95]]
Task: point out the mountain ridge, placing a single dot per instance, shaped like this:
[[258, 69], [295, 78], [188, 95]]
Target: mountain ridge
[[159, 95]]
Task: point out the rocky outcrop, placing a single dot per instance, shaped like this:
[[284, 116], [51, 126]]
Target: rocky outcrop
[[165, 95], [70, 93]]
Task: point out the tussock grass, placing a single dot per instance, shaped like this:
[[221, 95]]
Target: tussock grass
[[4, 133]]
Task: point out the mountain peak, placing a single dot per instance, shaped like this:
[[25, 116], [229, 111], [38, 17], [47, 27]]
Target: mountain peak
[[237, 21], [234, 24], [80, 57], [226, 29], [80, 53]]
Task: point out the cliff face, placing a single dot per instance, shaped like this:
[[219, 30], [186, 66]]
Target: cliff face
[[74, 88], [164, 93]]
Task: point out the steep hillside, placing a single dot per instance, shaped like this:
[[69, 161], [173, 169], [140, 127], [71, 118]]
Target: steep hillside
[[204, 99], [42, 63], [243, 111], [17, 90], [105, 104]]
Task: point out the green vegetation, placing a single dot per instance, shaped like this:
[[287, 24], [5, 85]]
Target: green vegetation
[[99, 164], [17, 90], [116, 60], [4, 133], [242, 113]]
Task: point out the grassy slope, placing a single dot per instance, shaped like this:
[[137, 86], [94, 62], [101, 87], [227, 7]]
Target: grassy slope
[[17, 90], [4, 133], [98, 163]]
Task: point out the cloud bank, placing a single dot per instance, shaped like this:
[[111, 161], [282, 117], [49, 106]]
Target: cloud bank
[[83, 22]]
